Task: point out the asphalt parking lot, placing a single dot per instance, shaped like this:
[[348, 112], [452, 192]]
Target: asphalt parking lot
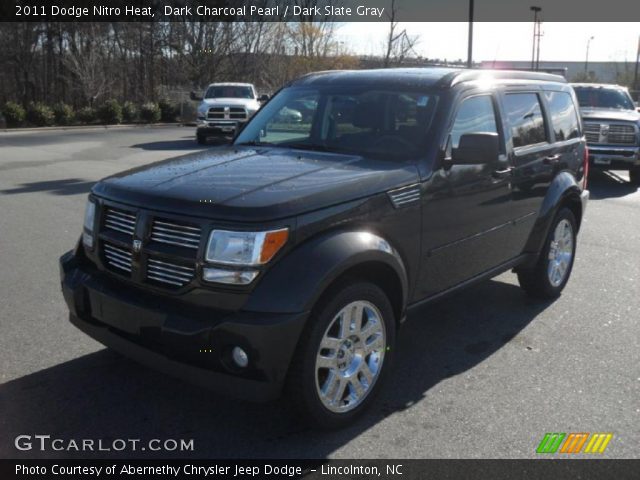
[[485, 373]]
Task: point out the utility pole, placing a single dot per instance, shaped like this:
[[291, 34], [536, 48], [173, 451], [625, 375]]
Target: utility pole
[[586, 61], [536, 38], [636, 86], [470, 46]]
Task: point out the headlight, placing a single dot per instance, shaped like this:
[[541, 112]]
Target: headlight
[[89, 220], [245, 248]]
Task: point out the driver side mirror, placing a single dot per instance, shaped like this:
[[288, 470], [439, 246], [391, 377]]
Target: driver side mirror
[[476, 149], [263, 98], [194, 96]]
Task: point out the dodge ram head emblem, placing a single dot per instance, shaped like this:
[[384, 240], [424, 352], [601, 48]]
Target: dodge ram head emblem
[[137, 246]]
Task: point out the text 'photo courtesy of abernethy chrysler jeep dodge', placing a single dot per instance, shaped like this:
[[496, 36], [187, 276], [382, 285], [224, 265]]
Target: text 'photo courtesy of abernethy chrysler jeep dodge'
[[294, 254]]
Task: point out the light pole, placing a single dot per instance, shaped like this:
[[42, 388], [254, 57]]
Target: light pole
[[470, 46], [586, 61], [536, 33]]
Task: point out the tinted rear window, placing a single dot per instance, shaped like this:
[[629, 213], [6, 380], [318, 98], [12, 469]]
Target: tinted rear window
[[563, 115], [525, 118]]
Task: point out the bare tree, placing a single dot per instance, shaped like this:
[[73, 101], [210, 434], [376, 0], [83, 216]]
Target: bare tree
[[398, 44]]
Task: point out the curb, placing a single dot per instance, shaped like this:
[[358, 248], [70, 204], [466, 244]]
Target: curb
[[92, 127]]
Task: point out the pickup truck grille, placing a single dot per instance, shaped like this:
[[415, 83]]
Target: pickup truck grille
[[611, 134], [227, 113], [173, 233], [120, 220], [117, 258]]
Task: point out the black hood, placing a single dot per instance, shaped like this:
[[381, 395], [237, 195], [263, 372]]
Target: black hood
[[253, 184]]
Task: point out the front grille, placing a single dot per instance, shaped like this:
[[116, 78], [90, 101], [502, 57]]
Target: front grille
[[622, 134], [169, 273], [227, 113], [610, 134], [173, 233], [149, 249], [120, 220], [117, 258], [592, 132]]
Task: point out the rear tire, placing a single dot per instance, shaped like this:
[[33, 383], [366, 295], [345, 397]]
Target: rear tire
[[552, 270], [344, 355], [634, 176]]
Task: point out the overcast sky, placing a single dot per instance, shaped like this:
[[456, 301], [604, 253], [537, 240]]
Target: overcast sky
[[503, 40]]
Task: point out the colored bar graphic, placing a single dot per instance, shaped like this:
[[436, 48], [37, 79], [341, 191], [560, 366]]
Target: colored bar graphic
[[574, 442], [550, 442], [598, 442]]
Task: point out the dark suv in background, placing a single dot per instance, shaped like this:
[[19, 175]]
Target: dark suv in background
[[289, 259], [612, 126]]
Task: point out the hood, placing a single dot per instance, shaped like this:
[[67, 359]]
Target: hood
[[240, 102], [610, 114], [253, 184]]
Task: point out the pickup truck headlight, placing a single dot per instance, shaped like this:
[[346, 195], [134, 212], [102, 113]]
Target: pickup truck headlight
[[89, 221], [241, 249]]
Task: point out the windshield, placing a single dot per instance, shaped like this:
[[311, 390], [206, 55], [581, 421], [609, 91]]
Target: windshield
[[229, 91], [363, 121], [600, 97]]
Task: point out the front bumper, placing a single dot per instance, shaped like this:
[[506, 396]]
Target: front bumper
[[180, 339], [218, 128], [613, 157]]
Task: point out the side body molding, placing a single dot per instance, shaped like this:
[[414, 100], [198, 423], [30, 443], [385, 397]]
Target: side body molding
[[296, 282]]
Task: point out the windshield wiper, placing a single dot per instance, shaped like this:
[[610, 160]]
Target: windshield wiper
[[316, 147]]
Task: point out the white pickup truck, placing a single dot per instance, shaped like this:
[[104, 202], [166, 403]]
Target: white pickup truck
[[225, 107]]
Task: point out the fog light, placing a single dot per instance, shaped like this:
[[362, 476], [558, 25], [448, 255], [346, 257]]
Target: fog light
[[240, 357], [232, 277], [87, 240]]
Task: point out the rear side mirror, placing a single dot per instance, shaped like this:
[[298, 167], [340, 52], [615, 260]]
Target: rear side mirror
[[195, 96], [263, 98], [476, 149]]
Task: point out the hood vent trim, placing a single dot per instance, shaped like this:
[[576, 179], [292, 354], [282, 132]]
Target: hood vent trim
[[404, 196]]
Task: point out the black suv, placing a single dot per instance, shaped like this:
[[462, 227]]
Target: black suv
[[289, 259], [612, 127]]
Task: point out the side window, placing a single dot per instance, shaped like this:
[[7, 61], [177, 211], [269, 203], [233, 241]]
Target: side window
[[525, 118], [475, 115], [563, 115]]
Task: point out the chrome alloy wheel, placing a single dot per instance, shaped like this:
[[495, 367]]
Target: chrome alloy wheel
[[350, 356], [560, 253]]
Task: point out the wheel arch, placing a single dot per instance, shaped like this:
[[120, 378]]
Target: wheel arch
[[299, 280], [563, 191]]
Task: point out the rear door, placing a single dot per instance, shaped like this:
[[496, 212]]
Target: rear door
[[533, 157]]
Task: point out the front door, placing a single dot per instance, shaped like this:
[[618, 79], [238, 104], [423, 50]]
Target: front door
[[466, 223]]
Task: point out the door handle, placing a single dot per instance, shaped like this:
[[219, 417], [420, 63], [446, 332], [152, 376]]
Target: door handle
[[502, 173], [551, 159]]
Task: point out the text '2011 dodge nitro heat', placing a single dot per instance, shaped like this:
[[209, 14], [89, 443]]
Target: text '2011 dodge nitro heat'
[[293, 255]]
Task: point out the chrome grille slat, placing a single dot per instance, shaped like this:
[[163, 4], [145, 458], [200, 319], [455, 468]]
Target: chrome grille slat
[[120, 220], [159, 262], [172, 274], [165, 229], [164, 280], [117, 257], [176, 234]]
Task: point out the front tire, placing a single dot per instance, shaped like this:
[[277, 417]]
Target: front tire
[[553, 268], [634, 176], [344, 355], [201, 139]]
